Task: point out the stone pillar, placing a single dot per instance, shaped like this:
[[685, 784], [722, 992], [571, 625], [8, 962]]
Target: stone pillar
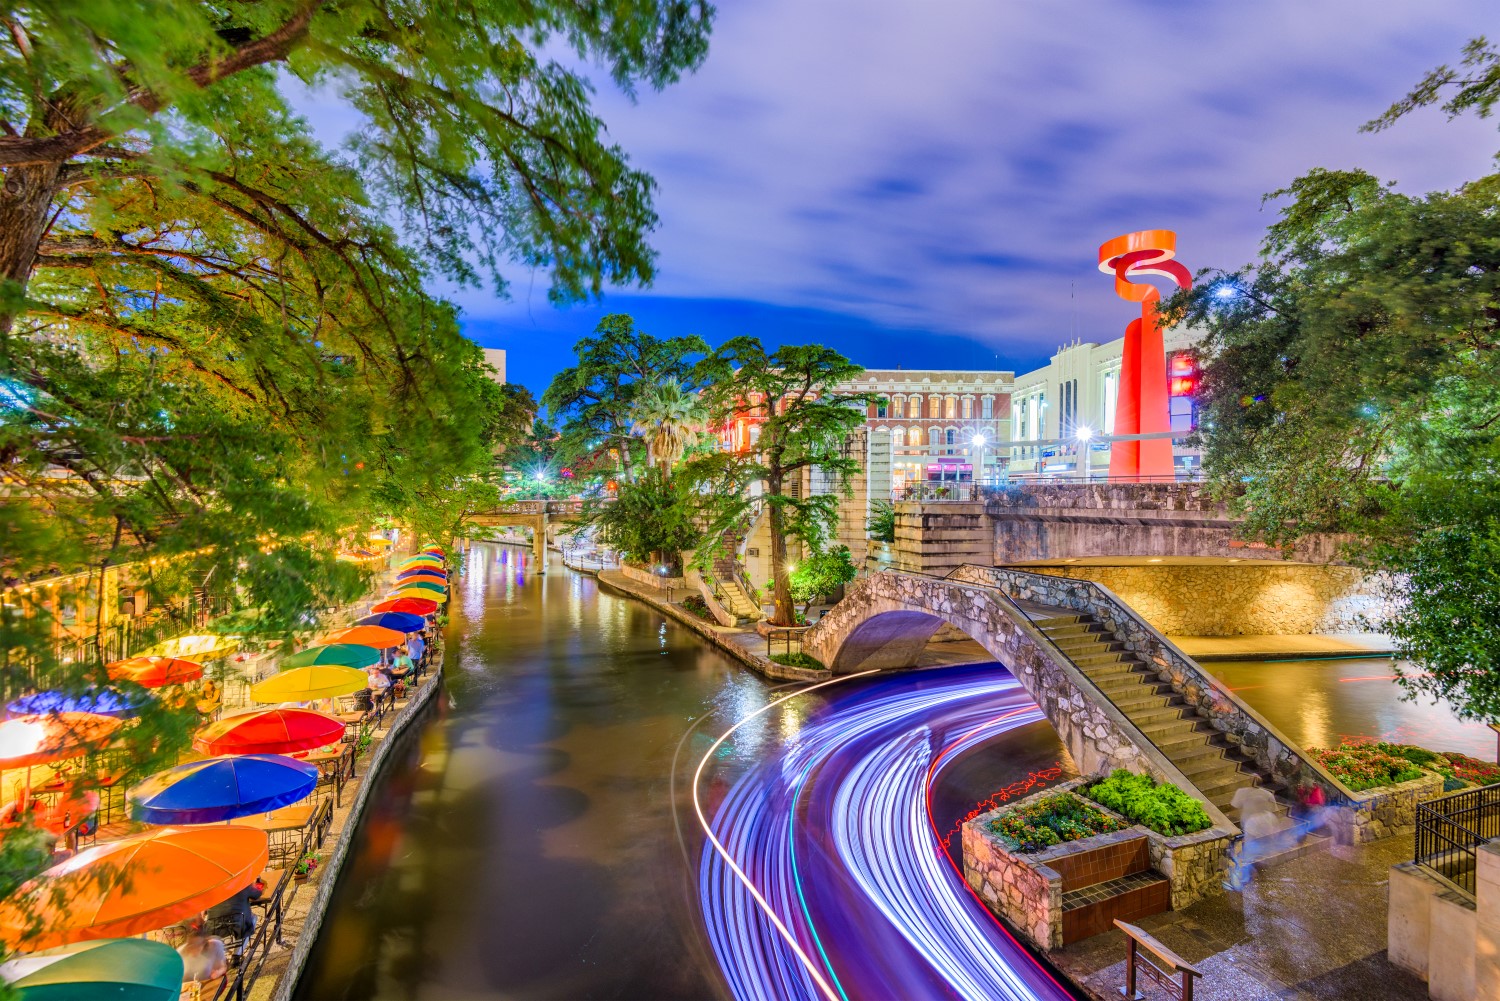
[[1487, 925], [539, 543]]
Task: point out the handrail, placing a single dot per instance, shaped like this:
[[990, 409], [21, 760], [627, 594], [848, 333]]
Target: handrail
[[1435, 849], [1137, 964], [1157, 947]]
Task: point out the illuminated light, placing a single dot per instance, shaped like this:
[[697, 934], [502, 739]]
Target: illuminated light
[[1226, 290], [1182, 385], [1084, 433], [1154, 559], [980, 440]]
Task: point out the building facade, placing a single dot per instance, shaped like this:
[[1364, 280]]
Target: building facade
[[1062, 411], [943, 424]]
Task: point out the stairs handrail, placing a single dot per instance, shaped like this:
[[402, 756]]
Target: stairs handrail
[[1307, 764]]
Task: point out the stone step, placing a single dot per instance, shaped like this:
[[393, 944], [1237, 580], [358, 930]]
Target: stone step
[[1191, 742], [1153, 720], [1221, 791], [1087, 637], [1103, 658], [1189, 758], [1146, 701], [1173, 729], [1103, 668], [1209, 772], [1098, 892]]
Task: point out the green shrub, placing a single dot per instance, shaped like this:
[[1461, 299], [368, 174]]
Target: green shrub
[[1051, 821], [1161, 806], [695, 604], [798, 660]]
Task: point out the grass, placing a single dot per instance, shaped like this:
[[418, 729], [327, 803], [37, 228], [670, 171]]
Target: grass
[[798, 660]]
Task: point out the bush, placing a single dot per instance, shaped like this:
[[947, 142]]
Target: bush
[[1051, 821], [695, 604], [1366, 765], [1162, 807], [798, 660]]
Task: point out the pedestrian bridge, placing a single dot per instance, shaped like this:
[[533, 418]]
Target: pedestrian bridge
[[536, 515]]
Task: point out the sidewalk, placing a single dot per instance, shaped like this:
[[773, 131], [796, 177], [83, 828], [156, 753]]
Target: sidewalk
[[1284, 647], [1311, 928]]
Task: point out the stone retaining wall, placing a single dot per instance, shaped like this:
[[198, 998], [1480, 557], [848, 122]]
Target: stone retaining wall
[[643, 576], [1383, 811]]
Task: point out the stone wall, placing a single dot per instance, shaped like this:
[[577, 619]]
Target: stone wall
[[1248, 598], [1026, 894], [642, 575], [1383, 811], [1273, 753], [886, 620], [937, 536]]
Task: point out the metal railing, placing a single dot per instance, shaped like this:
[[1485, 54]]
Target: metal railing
[[788, 637], [1450, 828], [939, 491]]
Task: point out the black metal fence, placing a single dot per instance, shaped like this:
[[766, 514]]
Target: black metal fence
[[1451, 827]]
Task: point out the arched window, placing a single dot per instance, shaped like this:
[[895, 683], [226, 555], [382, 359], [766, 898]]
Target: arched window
[[950, 408], [968, 408], [898, 437], [934, 437], [898, 406], [916, 407], [952, 436]]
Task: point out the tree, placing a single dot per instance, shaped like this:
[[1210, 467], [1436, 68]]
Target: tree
[[652, 519], [1352, 384], [596, 400], [806, 423], [486, 148], [669, 418], [820, 574]]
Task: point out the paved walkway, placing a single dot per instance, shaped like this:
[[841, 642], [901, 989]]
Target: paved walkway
[[1313, 928], [1283, 647]]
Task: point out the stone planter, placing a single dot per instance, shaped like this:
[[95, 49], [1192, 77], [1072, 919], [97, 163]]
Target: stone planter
[[642, 575], [1383, 811]]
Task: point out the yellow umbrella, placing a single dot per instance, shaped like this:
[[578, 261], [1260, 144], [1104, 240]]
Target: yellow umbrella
[[417, 592], [199, 648], [303, 684]]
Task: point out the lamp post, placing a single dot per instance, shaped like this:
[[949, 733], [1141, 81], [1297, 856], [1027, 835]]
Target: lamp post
[[979, 441], [1084, 434]]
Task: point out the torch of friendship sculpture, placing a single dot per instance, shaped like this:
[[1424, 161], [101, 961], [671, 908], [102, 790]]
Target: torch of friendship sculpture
[[1141, 407]]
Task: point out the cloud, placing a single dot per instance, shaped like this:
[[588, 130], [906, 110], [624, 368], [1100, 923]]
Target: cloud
[[950, 167]]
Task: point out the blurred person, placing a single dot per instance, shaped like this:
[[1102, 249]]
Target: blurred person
[[203, 955]]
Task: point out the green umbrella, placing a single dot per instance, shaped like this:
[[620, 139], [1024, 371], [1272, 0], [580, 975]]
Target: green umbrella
[[410, 585], [120, 969], [342, 654]]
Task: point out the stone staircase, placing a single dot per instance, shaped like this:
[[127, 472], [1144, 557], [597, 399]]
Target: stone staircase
[[1198, 750], [726, 574]]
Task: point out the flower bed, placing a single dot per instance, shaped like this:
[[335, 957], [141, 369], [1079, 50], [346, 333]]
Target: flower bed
[[1361, 766], [1050, 821], [695, 604], [1159, 806], [1459, 771]]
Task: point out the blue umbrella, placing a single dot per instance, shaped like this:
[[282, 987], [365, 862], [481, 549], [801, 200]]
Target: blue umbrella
[[422, 572], [214, 789], [101, 702], [402, 622]]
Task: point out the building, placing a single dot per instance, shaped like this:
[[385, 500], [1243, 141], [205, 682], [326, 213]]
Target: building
[[1067, 407], [495, 358], [944, 424]]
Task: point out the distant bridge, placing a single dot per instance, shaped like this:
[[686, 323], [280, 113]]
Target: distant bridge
[[532, 514]]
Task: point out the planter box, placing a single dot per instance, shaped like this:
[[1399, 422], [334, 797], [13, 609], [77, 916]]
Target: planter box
[[1026, 889], [1383, 811]]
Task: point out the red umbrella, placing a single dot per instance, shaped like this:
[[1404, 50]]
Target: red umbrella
[[269, 731], [154, 672], [415, 606]]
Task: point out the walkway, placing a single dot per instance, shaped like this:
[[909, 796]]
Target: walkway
[[1300, 647], [1311, 929]]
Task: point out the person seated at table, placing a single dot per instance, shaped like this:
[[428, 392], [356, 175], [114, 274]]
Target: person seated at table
[[203, 955], [401, 664], [379, 682], [234, 917]]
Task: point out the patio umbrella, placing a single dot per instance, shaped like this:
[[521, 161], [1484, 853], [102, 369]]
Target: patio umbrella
[[100, 702], [222, 788], [154, 672], [411, 606], [303, 684], [39, 738], [423, 580], [269, 731], [342, 654], [419, 565], [400, 621], [117, 969], [375, 637], [423, 572], [133, 885], [432, 597], [403, 585], [433, 548], [205, 646]]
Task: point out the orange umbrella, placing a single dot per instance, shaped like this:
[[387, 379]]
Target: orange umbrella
[[134, 885], [423, 579], [37, 738], [154, 672], [378, 637]]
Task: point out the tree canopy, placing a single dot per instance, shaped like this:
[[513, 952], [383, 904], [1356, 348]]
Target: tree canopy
[[1352, 385]]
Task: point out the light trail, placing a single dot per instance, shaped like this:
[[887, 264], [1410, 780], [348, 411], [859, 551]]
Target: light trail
[[824, 874]]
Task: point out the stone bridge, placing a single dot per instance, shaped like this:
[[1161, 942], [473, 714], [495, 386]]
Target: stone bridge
[[887, 618], [533, 514]]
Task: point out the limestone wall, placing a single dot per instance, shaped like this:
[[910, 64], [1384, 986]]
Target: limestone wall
[[1383, 811], [1027, 894], [1250, 598], [937, 536]]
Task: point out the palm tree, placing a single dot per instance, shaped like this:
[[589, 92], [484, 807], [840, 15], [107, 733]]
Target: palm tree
[[668, 417]]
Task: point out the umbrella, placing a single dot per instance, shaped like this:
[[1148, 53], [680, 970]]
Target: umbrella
[[343, 654], [303, 684], [38, 739], [420, 593], [423, 572], [154, 672], [201, 647], [133, 885], [100, 702], [411, 606], [406, 585], [420, 565], [222, 788], [433, 547], [375, 637], [120, 969], [423, 580], [400, 621], [269, 731]]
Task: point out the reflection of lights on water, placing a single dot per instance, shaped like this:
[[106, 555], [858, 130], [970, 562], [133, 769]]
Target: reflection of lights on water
[[661, 637]]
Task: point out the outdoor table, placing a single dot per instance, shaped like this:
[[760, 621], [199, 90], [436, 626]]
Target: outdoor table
[[272, 878], [280, 826]]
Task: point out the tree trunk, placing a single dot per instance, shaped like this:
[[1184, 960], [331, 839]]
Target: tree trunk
[[26, 198], [785, 612]]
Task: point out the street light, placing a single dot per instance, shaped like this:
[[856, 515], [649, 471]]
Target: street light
[[979, 441], [1084, 434]]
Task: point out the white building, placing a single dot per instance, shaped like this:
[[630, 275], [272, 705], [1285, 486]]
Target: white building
[[1073, 396], [495, 358]]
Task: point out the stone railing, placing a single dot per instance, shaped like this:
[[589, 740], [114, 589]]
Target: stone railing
[[1242, 726]]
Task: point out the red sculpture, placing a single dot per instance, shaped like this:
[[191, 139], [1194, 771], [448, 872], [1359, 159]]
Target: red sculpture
[[1142, 403]]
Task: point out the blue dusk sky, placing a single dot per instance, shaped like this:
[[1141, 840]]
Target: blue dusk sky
[[926, 183]]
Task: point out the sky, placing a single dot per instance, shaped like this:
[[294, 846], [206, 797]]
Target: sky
[[925, 183]]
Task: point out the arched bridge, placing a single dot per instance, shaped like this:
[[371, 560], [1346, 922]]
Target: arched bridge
[[532, 514]]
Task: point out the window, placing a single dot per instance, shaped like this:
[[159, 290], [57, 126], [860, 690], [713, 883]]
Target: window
[[880, 409], [898, 437], [950, 408], [968, 408], [1111, 400], [916, 407], [934, 438], [1184, 414], [952, 436], [987, 408], [897, 405]]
